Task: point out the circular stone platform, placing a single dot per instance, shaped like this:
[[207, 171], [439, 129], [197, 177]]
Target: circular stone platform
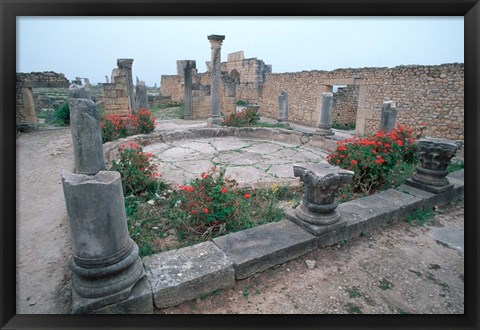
[[251, 162]]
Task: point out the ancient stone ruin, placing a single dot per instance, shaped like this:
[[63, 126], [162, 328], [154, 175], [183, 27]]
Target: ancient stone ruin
[[108, 275], [25, 108]]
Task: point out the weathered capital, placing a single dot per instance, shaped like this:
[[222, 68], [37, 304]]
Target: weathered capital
[[125, 63], [216, 40]]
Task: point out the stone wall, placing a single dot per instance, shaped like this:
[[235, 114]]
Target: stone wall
[[423, 94], [115, 94], [345, 102], [171, 85]]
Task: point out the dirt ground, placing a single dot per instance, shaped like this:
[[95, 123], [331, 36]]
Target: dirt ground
[[396, 269]]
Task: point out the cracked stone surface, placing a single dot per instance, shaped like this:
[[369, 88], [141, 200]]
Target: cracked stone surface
[[252, 163]]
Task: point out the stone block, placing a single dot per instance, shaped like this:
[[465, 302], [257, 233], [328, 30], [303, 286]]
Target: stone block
[[257, 249], [181, 275], [139, 301]]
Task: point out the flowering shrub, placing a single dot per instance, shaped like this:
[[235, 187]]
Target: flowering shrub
[[116, 127], [246, 117], [208, 205], [373, 157], [139, 173]]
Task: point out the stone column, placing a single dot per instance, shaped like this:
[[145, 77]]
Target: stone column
[[28, 106], [388, 116], [317, 213], [141, 96], [187, 67], [126, 65], [434, 156], [325, 114], [283, 108], [108, 274], [216, 45]]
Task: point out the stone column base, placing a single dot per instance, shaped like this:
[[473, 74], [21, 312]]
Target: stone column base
[[324, 131], [214, 121], [136, 299], [429, 188], [316, 230]]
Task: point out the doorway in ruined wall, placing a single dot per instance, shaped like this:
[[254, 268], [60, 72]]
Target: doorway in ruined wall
[[348, 110]]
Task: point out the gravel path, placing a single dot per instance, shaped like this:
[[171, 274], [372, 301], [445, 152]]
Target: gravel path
[[396, 269]]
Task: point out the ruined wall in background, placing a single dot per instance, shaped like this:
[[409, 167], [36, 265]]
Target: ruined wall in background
[[345, 102], [115, 94], [423, 94]]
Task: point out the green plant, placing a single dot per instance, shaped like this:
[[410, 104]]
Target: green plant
[[455, 166], [420, 217], [374, 157], [353, 292], [353, 309], [208, 206], [346, 127], [247, 117], [62, 114], [385, 284], [139, 173], [242, 102]]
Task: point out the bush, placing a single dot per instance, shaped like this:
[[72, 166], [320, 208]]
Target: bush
[[139, 173], [373, 158], [62, 114], [209, 206], [115, 127], [246, 117], [242, 102]]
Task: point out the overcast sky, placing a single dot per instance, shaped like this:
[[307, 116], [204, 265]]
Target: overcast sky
[[89, 46]]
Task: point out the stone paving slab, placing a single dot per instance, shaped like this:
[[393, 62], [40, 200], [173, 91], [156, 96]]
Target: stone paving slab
[[453, 237], [186, 274], [257, 249]]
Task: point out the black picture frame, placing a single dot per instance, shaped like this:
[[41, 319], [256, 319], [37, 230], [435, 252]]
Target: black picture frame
[[10, 9]]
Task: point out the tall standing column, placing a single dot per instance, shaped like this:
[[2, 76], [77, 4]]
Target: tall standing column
[[325, 108], [187, 67], [283, 108], [216, 46], [126, 65]]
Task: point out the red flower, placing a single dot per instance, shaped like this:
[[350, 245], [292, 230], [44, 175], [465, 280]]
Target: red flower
[[205, 175], [247, 196], [354, 162], [205, 210], [195, 212], [224, 190], [400, 142]]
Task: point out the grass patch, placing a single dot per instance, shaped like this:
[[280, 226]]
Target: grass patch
[[353, 292], [421, 217], [455, 166], [353, 309], [385, 284], [168, 112], [346, 127]]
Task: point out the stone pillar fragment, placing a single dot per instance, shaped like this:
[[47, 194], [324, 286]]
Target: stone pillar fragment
[[388, 116], [126, 65], [216, 45], [187, 66], [317, 213], [283, 108], [434, 156], [325, 114], [86, 133], [28, 106], [141, 97]]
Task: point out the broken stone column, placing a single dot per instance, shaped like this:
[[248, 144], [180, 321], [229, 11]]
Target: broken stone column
[[216, 45], [434, 156], [141, 97], [125, 64], [187, 67], [106, 79], [388, 116], [108, 275], [317, 213], [325, 111], [283, 108]]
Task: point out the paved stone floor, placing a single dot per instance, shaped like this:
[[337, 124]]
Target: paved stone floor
[[252, 163]]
